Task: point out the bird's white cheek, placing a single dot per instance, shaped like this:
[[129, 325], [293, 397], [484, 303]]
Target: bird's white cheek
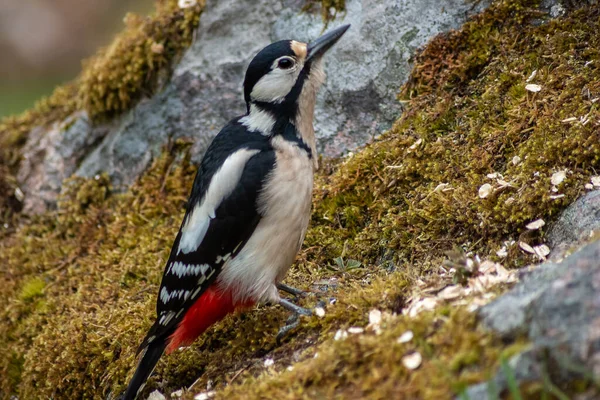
[[274, 86]]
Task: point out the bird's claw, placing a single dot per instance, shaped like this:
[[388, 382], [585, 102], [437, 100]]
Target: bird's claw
[[292, 323], [291, 290]]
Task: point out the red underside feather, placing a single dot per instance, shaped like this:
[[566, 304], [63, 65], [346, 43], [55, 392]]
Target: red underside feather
[[211, 307]]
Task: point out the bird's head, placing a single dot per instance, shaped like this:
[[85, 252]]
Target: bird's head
[[283, 78]]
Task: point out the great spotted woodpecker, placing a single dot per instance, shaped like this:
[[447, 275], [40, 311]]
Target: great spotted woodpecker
[[249, 207]]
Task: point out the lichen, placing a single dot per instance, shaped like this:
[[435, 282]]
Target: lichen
[[329, 8], [101, 254]]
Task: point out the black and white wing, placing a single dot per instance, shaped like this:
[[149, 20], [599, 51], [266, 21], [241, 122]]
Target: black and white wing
[[221, 216]]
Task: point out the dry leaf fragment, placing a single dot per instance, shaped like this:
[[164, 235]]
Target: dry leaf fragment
[[450, 292], [485, 190], [416, 144], [355, 330], [413, 360], [205, 395], [156, 395], [339, 335], [537, 224], [374, 317], [567, 120], [533, 74], [157, 48], [532, 87], [542, 251], [186, 3], [269, 362], [526, 247], [558, 177], [406, 337]]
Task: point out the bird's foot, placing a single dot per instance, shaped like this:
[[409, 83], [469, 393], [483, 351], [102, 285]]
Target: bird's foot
[[296, 309], [294, 320], [291, 290]]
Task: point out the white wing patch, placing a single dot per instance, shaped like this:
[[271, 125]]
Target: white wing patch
[[258, 120], [166, 296], [221, 185], [182, 269]]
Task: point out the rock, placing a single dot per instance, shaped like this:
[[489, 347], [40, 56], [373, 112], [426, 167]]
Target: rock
[[576, 224], [557, 307], [50, 156], [365, 72]]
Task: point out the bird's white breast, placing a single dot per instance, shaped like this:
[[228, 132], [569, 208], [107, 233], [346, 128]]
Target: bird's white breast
[[284, 204]]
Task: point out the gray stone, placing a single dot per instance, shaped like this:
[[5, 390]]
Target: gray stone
[[576, 225], [557, 306], [365, 71], [50, 156]]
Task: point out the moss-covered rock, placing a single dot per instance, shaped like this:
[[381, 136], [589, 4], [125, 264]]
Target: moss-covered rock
[[81, 282]]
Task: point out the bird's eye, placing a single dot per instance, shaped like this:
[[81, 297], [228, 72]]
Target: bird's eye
[[285, 63]]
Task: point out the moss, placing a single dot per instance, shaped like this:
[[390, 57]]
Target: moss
[[399, 204], [32, 288], [113, 79], [329, 8]]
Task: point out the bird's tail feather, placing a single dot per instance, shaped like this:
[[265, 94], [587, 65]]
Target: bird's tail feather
[[145, 367]]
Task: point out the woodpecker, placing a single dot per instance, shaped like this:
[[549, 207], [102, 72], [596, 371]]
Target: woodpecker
[[249, 206]]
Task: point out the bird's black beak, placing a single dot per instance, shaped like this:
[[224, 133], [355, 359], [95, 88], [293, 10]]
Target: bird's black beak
[[319, 46]]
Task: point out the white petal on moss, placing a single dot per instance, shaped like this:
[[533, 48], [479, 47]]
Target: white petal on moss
[[177, 394], [502, 252], [596, 181], [542, 251], [186, 3], [450, 292], [205, 395], [374, 317], [406, 337], [589, 186], [556, 196], [533, 74], [416, 144], [568, 120], [269, 362], [442, 187], [156, 395], [516, 160], [537, 224], [526, 247], [356, 330], [493, 175], [320, 311], [558, 177], [339, 335], [485, 190], [413, 360], [425, 304], [532, 87]]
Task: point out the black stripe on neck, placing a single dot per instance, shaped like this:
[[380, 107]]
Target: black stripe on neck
[[291, 134]]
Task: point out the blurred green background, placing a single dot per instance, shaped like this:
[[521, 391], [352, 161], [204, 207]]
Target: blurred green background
[[42, 43]]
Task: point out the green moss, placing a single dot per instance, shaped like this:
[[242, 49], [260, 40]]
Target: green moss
[[32, 288], [115, 78], [396, 204], [329, 8]]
